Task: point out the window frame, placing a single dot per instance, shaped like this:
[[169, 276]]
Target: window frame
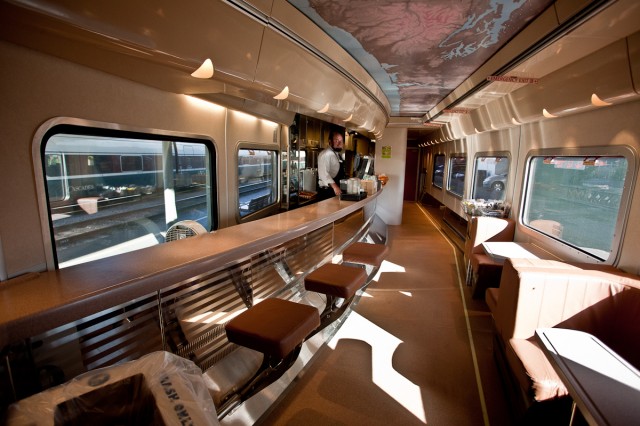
[[70, 125], [563, 248]]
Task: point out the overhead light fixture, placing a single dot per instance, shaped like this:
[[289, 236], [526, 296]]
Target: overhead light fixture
[[205, 71], [514, 121], [324, 109], [547, 113], [348, 118], [596, 101], [282, 95]]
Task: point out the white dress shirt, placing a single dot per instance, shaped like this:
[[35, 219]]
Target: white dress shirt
[[328, 166]]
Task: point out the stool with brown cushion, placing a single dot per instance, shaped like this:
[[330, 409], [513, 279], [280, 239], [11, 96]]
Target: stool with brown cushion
[[277, 328], [336, 282], [364, 253]]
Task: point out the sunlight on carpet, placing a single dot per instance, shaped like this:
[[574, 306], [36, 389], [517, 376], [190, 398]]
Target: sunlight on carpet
[[383, 345]]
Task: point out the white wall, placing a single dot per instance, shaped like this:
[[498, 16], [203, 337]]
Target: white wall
[[389, 205]]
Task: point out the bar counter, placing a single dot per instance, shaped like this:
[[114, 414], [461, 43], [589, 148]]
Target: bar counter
[[39, 302]]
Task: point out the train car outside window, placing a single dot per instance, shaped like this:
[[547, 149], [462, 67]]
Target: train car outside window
[[457, 170], [491, 177], [54, 169], [110, 192], [257, 181], [577, 200], [438, 170], [131, 163]]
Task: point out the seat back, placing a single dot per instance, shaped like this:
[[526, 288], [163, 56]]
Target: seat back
[[485, 228]]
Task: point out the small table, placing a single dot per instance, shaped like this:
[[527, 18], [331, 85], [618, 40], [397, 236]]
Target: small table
[[499, 251], [604, 386]]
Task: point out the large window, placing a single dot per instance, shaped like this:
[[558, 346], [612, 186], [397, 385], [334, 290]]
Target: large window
[[112, 192], [490, 180], [577, 199], [257, 180], [457, 170], [438, 170]]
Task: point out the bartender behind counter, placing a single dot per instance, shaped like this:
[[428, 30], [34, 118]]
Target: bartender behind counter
[[331, 167]]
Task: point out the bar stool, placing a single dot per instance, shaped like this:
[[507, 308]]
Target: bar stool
[[336, 282], [365, 254], [277, 328]]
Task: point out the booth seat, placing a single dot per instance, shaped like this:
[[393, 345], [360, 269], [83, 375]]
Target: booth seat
[[536, 293], [482, 271]]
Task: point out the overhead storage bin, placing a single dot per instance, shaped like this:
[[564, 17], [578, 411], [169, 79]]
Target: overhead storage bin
[[570, 89]]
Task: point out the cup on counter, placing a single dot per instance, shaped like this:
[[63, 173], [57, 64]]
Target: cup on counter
[[344, 185], [353, 186]]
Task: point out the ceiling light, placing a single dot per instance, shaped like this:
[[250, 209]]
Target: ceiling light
[[514, 121], [596, 101], [547, 113], [205, 70], [282, 95], [324, 109], [348, 118]]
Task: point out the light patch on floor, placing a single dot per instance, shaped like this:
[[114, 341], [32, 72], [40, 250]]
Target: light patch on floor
[[383, 345], [387, 266]]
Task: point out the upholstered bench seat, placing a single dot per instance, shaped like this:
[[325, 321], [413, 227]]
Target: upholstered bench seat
[[274, 326], [336, 280], [487, 274], [364, 253]]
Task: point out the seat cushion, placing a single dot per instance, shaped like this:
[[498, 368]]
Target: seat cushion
[[491, 297], [274, 326], [336, 280], [533, 370], [368, 254], [485, 272], [483, 260]]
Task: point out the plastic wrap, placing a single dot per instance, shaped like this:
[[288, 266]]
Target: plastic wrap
[[157, 389]]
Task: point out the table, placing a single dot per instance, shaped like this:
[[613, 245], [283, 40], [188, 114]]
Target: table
[[501, 250], [604, 386]]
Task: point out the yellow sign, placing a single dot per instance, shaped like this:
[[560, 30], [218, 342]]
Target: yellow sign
[[386, 152]]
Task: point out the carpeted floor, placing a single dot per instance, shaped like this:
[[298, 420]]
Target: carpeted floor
[[404, 356]]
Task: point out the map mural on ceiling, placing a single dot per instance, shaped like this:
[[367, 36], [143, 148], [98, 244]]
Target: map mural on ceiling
[[419, 51]]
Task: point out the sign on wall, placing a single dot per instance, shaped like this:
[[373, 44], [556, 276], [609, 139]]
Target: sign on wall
[[386, 152]]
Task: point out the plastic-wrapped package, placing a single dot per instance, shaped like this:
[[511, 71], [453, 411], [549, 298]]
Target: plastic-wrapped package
[[158, 389]]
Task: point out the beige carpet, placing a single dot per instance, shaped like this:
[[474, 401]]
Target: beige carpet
[[404, 355]]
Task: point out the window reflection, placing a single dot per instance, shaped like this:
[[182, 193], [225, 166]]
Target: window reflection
[[491, 177], [257, 184], [457, 170], [438, 170], [577, 200], [111, 192]]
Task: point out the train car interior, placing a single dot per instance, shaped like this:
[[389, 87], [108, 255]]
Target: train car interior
[[168, 254]]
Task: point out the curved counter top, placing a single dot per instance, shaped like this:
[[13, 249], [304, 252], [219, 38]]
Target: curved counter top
[[42, 301]]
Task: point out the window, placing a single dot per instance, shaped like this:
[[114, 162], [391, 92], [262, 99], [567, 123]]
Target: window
[[577, 200], [457, 169], [112, 192], [257, 181], [490, 180], [53, 170], [438, 170]]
